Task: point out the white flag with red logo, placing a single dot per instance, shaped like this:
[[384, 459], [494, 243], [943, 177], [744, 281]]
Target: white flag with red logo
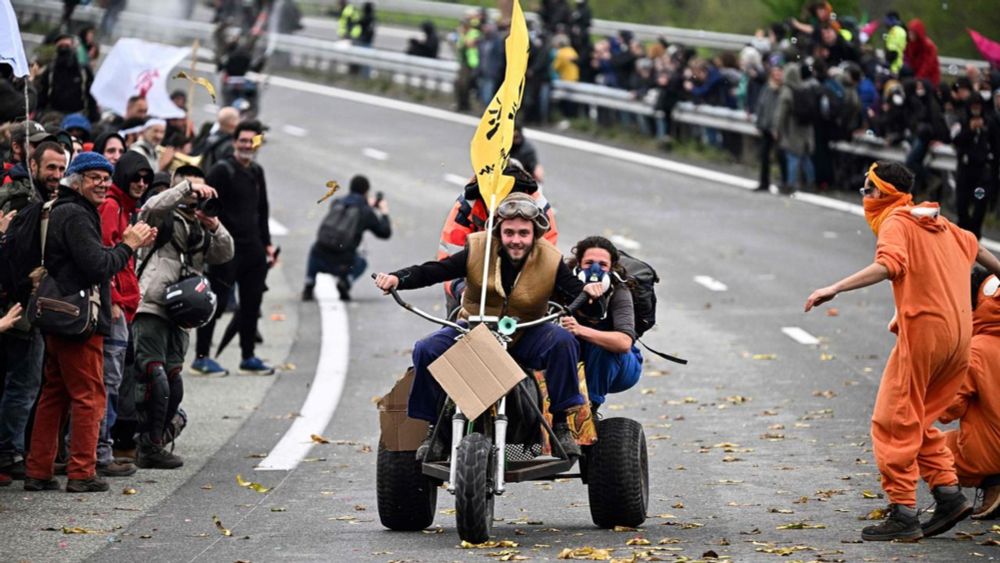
[[138, 68]]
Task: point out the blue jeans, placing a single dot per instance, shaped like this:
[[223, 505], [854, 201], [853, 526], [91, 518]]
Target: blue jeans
[[115, 347], [319, 263], [609, 372], [794, 161], [546, 346], [24, 379]]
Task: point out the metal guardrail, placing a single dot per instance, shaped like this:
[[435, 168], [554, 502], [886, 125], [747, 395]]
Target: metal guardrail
[[436, 74]]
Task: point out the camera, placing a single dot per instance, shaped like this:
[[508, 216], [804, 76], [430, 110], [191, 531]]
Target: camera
[[209, 206]]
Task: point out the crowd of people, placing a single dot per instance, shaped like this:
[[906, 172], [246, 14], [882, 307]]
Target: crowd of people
[[122, 235]]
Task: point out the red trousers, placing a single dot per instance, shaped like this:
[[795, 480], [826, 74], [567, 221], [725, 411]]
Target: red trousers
[[74, 381]]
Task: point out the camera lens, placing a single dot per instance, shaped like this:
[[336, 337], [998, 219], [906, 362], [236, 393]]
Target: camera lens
[[210, 207]]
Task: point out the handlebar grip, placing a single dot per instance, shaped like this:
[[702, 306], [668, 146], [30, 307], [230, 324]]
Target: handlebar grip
[[577, 303], [395, 295]]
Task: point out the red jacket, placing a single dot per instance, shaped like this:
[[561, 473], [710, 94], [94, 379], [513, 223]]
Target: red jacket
[[115, 213], [922, 54]]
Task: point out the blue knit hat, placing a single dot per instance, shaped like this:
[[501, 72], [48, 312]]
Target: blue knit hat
[[85, 161], [76, 121]]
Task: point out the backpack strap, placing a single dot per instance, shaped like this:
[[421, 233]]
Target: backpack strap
[[46, 209], [675, 359]]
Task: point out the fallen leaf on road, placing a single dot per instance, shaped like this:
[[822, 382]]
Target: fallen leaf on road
[[638, 541], [668, 541], [678, 505], [438, 530], [207, 487], [772, 436], [319, 439], [623, 529], [824, 357], [764, 357], [801, 526], [737, 399], [250, 484], [493, 544], [218, 524], [826, 394], [129, 491], [781, 511], [278, 509], [869, 494], [586, 553], [648, 391], [78, 530]]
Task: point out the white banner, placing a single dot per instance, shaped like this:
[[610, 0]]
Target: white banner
[[138, 68], [11, 46]]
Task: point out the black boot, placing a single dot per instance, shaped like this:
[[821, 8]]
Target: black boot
[[153, 456], [902, 524], [566, 439], [951, 507]]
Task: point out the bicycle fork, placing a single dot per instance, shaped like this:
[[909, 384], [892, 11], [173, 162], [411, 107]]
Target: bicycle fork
[[458, 421]]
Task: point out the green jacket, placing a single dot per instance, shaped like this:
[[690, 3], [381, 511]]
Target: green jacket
[[895, 41]]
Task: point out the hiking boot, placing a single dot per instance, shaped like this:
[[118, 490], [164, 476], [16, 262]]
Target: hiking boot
[[93, 485], [152, 456], [5, 480], [344, 289], [124, 455], [208, 366], [255, 366], [40, 484], [14, 467], [115, 469], [989, 503], [951, 507], [566, 439], [902, 525], [307, 293], [433, 449]]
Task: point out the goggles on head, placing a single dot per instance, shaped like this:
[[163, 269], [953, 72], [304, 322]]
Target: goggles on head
[[523, 209]]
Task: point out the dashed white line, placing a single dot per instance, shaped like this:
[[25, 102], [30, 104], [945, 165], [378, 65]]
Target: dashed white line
[[800, 336], [294, 131], [456, 179], [625, 243], [711, 283], [375, 154], [327, 385], [276, 228]]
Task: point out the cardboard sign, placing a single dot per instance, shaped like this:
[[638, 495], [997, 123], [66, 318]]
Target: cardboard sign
[[400, 433], [476, 372]]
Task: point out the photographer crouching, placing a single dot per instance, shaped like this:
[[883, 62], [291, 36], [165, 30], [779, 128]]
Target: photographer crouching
[[175, 298]]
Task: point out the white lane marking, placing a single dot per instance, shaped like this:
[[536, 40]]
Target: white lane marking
[[625, 243], [375, 154], [294, 131], [276, 228], [829, 234], [711, 283], [456, 179], [577, 144], [327, 385], [800, 336]]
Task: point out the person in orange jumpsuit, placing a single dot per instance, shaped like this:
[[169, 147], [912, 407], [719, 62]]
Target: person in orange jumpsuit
[[928, 260], [469, 215], [976, 444]]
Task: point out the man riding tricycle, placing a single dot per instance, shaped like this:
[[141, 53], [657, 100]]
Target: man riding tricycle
[[508, 424]]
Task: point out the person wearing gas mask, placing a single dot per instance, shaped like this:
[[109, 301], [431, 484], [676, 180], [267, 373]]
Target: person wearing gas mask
[[607, 341], [175, 298], [976, 146], [64, 85]]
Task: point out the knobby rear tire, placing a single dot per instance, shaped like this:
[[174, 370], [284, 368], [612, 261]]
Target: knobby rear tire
[[474, 488]]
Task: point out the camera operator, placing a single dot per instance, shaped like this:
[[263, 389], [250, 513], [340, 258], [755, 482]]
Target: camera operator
[[336, 249], [244, 212], [189, 239]]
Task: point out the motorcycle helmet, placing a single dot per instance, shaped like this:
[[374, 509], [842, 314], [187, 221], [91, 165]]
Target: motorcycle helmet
[[191, 302]]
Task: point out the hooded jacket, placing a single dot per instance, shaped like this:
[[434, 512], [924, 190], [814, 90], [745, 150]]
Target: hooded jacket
[[921, 54], [19, 191], [116, 214], [794, 137]]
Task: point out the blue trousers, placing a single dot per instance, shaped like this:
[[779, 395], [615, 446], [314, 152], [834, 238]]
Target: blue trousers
[[547, 347], [609, 372], [21, 386], [319, 263]]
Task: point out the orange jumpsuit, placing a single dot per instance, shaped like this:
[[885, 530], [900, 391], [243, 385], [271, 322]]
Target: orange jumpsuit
[[928, 259], [976, 444]]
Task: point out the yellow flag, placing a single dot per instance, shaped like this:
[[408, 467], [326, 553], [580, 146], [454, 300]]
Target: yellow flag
[[490, 150]]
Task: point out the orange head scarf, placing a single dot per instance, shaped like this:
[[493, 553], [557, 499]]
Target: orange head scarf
[[878, 210]]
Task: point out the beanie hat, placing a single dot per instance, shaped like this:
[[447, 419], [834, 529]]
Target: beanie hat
[[76, 120], [89, 161]]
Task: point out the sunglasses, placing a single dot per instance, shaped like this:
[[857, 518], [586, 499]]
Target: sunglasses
[[868, 190], [144, 178]]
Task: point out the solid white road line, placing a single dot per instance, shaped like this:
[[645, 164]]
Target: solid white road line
[[710, 283], [327, 385], [276, 228], [800, 336], [375, 154], [456, 179]]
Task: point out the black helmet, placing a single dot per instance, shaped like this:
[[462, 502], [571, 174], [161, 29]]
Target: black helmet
[[191, 302]]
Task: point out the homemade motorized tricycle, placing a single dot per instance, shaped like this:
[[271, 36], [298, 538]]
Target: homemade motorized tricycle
[[509, 440]]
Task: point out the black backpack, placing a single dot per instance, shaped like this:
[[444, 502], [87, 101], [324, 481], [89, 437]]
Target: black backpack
[[805, 104], [21, 253], [338, 232], [643, 278]]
